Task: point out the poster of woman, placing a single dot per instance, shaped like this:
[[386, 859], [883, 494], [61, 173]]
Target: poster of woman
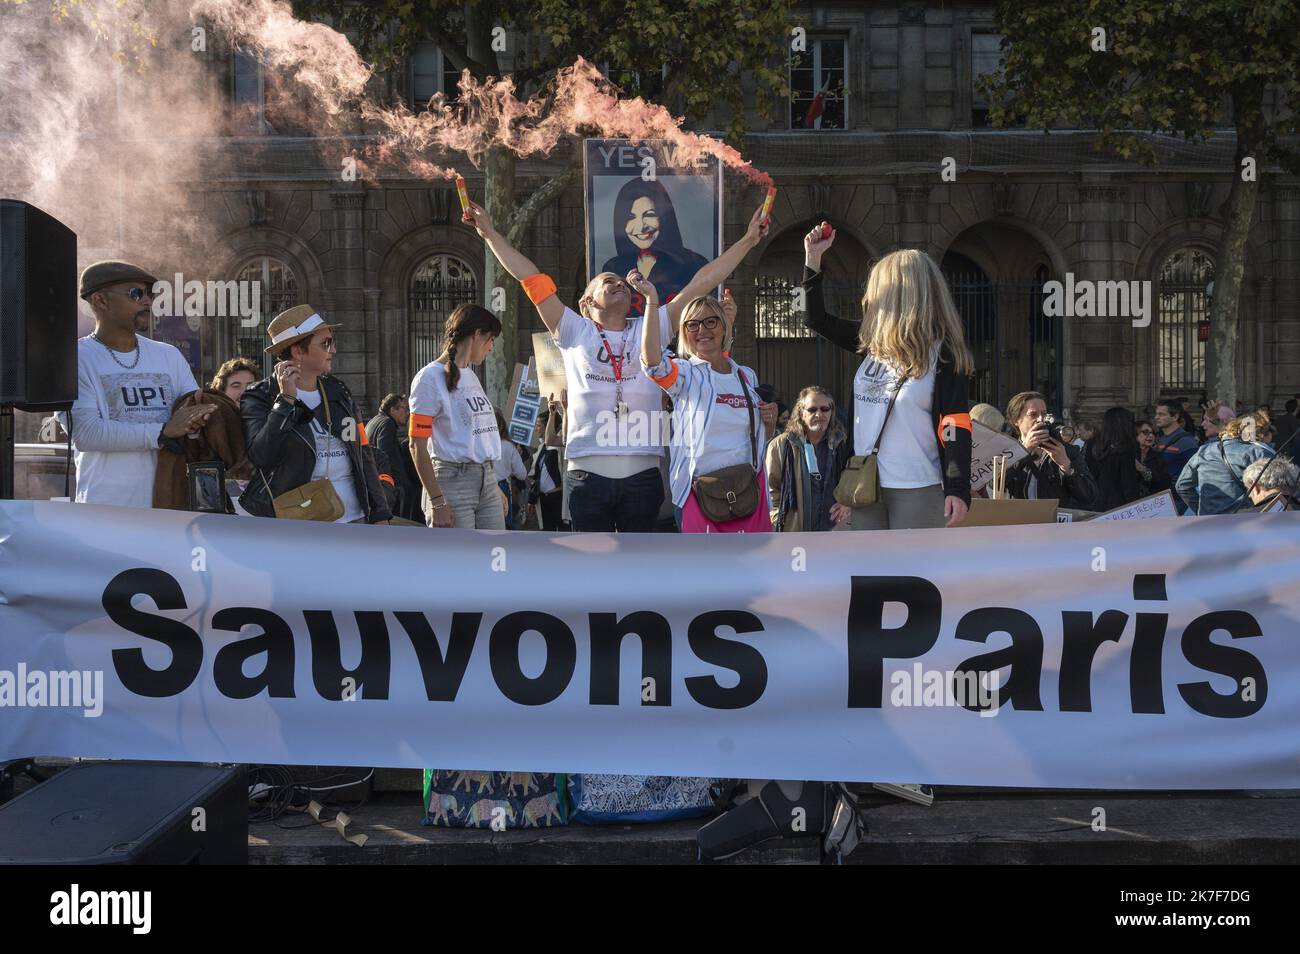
[[649, 211]]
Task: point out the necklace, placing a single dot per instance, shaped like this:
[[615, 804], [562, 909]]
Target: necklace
[[113, 354]]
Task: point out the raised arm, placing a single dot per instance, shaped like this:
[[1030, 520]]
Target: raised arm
[[652, 349], [516, 263], [715, 272], [840, 332]]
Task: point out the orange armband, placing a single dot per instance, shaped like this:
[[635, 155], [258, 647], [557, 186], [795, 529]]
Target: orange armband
[[538, 287], [953, 420], [419, 426]]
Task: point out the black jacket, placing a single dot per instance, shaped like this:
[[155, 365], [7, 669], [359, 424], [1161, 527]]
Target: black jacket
[[1159, 480], [283, 451], [949, 405], [548, 457], [1076, 492], [393, 459], [1117, 477]]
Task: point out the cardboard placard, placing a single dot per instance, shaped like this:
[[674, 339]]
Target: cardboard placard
[[1009, 513], [1157, 505], [986, 444], [549, 363]]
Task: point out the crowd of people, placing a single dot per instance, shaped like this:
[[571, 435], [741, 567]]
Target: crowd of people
[[727, 458]]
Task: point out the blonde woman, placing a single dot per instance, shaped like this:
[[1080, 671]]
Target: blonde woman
[[613, 444], [804, 463], [719, 421], [911, 394]]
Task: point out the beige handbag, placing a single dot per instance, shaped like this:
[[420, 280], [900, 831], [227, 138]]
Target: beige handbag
[[316, 499], [859, 485]]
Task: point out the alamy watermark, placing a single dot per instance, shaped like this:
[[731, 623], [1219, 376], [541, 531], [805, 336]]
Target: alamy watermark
[[196, 299], [1089, 299], [931, 688], [55, 689]]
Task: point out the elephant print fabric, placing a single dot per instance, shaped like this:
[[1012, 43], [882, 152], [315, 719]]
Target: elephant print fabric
[[495, 800]]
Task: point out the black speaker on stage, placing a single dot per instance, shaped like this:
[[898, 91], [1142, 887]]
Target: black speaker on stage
[[130, 813], [38, 309]]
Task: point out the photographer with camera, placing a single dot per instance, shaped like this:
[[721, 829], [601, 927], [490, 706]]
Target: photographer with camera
[[1053, 468]]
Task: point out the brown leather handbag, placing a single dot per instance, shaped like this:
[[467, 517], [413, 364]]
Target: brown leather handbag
[[316, 499], [732, 492], [859, 484]]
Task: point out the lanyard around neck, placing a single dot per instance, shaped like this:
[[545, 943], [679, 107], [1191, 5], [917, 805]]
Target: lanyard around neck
[[615, 360]]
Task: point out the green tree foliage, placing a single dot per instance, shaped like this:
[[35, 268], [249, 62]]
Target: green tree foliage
[[1181, 67]]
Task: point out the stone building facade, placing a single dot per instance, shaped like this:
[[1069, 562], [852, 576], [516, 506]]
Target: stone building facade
[[1016, 209]]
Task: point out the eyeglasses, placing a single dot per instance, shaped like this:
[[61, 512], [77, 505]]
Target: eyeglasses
[[1146, 433], [695, 324], [327, 343]]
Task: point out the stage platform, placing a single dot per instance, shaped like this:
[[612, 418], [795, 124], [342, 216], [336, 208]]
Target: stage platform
[[963, 826]]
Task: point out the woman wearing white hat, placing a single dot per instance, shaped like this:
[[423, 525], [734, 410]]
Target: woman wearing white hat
[[304, 434]]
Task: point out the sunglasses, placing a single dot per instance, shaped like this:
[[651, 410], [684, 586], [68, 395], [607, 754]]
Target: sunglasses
[[138, 294], [327, 343], [695, 324], [818, 410]]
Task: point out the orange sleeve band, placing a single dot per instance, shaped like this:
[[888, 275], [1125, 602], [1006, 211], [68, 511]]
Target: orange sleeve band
[[363, 436], [387, 479], [955, 420], [667, 380], [420, 425], [538, 287]]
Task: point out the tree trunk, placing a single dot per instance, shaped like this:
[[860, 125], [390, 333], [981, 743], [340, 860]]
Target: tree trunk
[[1225, 323], [499, 294], [1230, 262]]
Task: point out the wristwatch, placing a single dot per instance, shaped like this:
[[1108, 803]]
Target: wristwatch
[[162, 438]]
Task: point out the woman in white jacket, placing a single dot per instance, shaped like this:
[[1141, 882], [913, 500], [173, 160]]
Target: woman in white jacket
[[719, 422]]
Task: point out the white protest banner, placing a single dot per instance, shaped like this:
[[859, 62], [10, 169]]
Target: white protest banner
[[549, 362], [986, 444], [1157, 505], [1113, 656]]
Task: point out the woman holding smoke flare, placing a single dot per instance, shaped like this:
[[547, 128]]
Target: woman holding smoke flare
[[719, 424], [614, 440]]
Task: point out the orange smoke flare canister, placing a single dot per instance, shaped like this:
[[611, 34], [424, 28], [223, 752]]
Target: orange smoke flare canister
[[463, 194], [767, 203]]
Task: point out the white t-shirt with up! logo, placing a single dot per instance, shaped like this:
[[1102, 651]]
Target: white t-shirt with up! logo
[[593, 390], [118, 415], [461, 425]]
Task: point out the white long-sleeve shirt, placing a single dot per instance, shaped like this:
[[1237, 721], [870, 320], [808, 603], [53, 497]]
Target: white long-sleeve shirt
[[118, 415]]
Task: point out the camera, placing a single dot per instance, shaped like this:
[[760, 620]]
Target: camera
[[1054, 428]]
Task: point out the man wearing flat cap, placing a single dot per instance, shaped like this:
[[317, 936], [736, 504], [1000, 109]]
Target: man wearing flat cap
[[301, 425], [127, 386]]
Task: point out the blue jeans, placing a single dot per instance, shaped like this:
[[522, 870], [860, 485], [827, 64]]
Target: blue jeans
[[605, 504]]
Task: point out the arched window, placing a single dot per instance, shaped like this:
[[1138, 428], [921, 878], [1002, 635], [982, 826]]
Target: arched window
[[440, 284], [1186, 284], [277, 290]]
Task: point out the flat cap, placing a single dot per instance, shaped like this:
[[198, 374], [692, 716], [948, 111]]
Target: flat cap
[[102, 274]]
